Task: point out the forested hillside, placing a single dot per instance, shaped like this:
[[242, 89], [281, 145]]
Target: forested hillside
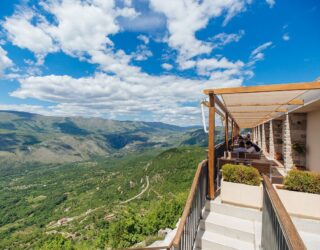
[[80, 183], [26, 137]]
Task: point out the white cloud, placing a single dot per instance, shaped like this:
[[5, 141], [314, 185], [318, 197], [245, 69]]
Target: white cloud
[[223, 39], [89, 32], [205, 66], [257, 54], [167, 66], [146, 22], [144, 38], [184, 18], [142, 53], [26, 35], [5, 61], [286, 37], [122, 89], [129, 95], [271, 3]]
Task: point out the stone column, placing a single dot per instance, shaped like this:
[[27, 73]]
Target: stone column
[[267, 135], [298, 131], [271, 143], [260, 136], [287, 147], [263, 138]]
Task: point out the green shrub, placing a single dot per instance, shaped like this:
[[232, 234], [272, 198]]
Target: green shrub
[[241, 174], [302, 181]]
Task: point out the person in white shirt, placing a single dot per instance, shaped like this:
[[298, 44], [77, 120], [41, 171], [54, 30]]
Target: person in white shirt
[[241, 148], [250, 147]]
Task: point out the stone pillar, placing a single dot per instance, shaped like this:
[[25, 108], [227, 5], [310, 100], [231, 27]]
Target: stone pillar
[[257, 135], [271, 142], [298, 132], [267, 135], [260, 136], [287, 147], [263, 138]]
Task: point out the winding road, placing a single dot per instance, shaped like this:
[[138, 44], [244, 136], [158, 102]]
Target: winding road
[[138, 195]]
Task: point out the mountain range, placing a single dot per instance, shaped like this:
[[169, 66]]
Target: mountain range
[[26, 137]]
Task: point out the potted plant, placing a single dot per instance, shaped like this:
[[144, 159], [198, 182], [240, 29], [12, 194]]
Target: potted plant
[[300, 193], [241, 185]]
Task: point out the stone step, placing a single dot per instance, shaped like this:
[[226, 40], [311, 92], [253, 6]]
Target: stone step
[[306, 225], [208, 241], [232, 210], [229, 226], [311, 241]]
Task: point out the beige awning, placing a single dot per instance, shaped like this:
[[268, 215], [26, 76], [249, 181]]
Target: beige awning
[[251, 106]]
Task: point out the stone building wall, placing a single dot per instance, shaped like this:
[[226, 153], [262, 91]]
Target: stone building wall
[[267, 136], [277, 136], [298, 132]]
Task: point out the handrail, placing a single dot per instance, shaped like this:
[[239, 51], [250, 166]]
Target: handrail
[[274, 212], [177, 238]]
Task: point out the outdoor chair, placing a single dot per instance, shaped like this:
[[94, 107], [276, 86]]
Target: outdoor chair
[[263, 168], [253, 156]]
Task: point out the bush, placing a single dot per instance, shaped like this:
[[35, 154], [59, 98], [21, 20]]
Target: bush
[[241, 174], [302, 181]]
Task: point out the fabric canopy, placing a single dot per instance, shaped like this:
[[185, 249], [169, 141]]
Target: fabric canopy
[[251, 106]]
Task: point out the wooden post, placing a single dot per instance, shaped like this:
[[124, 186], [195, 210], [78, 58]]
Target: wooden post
[[211, 147], [226, 135]]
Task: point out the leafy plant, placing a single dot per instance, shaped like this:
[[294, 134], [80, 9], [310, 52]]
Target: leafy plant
[[302, 181], [241, 174], [300, 149]]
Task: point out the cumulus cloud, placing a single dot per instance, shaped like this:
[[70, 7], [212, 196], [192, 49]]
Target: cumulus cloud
[[184, 18], [144, 38], [142, 53], [286, 37], [26, 35], [166, 66], [114, 96], [271, 3], [5, 61], [205, 66], [119, 88], [223, 39]]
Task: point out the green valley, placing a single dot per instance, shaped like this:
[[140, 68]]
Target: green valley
[[128, 181]]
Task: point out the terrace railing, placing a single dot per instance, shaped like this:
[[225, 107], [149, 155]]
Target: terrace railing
[[185, 236], [278, 230]]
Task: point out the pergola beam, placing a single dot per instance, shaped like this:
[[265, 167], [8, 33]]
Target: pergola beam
[[292, 102], [260, 111], [265, 88]]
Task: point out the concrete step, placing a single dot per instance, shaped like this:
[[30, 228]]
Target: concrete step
[[208, 241], [229, 226], [232, 210], [311, 241], [306, 225]]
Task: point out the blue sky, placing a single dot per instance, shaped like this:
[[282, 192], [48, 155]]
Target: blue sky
[[149, 60]]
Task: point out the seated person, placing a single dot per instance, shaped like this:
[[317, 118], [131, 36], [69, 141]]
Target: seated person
[[241, 148], [252, 148], [248, 138], [240, 139]]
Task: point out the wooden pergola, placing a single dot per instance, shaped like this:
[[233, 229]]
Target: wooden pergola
[[248, 107]]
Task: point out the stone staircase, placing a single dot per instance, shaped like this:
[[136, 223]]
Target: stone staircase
[[229, 227], [226, 227]]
